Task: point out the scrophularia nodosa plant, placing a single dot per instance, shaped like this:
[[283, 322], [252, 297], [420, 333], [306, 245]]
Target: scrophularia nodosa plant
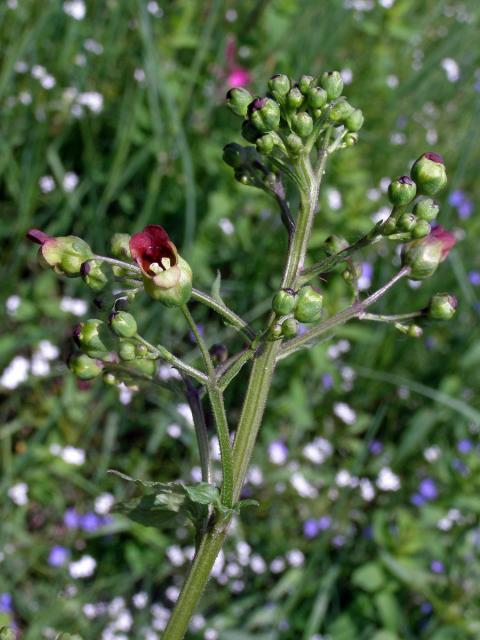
[[291, 133]]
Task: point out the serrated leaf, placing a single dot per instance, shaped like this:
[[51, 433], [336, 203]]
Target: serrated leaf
[[152, 510], [202, 493]]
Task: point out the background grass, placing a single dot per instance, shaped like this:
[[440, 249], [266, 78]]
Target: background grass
[[152, 154]]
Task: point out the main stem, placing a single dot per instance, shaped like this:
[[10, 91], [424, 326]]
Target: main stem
[[253, 409]]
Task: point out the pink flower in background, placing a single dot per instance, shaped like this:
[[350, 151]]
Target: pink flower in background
[[237, 76]]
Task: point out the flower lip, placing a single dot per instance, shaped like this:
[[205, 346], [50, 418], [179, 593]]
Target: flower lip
[[434, 157], [38, 236], [152, 246]]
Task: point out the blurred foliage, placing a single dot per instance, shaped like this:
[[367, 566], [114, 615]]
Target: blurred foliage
[[150, 152]]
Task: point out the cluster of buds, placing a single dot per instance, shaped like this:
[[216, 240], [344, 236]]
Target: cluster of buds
[[291, 307]]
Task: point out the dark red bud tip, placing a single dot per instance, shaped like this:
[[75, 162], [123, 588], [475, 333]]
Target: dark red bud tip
[[434, 157], [257, 104], [76, 333], [38, 236], [85, 268], [405, 180]]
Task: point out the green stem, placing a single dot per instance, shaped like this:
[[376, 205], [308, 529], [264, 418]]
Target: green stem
[[234, 367], [207, 360], [227, 314], [119, 263], [399, 317]]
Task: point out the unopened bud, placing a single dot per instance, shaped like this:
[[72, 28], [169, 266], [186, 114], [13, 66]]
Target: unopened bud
[[294, 144], [402, 191], [264, 114], [389, 227], [316, 97], [123, 324], [93, 275], [334, 244], [442, 306], [127, 350], [275, 331], [309, 305], [284, 302], [426, 209], [234, 155], [92, 337], [289, 328], [84, 367], [332, 82], [421, 229], [423, 256], [302, 124], [295, 99], [279, 85], [354, 122], [429, 173], [406, 221], [340, 112], [305, 83], [65, 254], [119, 246], [238, 100], [265, 144], [350, 139], [143, 366], [414, 331]]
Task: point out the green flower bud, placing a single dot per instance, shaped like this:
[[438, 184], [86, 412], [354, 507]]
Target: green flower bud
[[110, 378], [294, 144], [305, 83], [234, 155], [65, 254], [309, 305], [429, 173], [127, 350], [302, 124], [421, 229], [295, 99], [84, 367], [350, 139], [289, 328], [238, 100], [354, 122], [141, 350], [426, 209], [406, 222], [123, 324], [332, 82], [92, 338], [442, 306], [334, 244], [275, 331], [423, 256], [389, 227], [265, 144], [284, 302], [264, 114], [144, 366], [402, 191], [340, 112], [279, 85], [7, 634], [119, 246], [167, 289], [414, 331], [92, 275], [316, 97], [249, 132]]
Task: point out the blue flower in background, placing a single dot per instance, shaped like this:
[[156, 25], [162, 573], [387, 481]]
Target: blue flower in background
[[474, 278], [5, 603], [437, 566], [428, 489], [464, 446], [461, 202], [58, 556]]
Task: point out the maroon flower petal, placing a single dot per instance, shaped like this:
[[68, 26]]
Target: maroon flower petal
[[150, 246], [38, 236], [446, 238]]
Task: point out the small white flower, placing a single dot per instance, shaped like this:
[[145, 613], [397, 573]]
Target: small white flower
[[174, 430], [75, 9], [166, 372], [347, 75], [258, 564], [277, 565], [343, 478], [366, 489], [75, 306], [432, 453], [334, 199], [295, 558], [25, 98], [93, 46], [451, 68], [39, 366], [18, 493], [392, 81], [139, 74], [21, 66], [125, 394], [175, 555], [343, 411], [48, 350], [226, 226], [38, 72], [387, 480], [46, 184], [210, 634], [386, 4], [92, 100], [103, 503], [48, 82], [154, 9], [218, 565], [82, 568], [70, 181], [15, 373], [255, 475], [12, 303], [277, 452], [72, 455], [186, 413], [196, 474], [302, 486], [197, 622]]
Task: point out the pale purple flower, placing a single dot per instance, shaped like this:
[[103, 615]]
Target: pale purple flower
[[417, 500], [437, 566], [426, 608], [71, 518], [310, 528], [58, 556], [90, 522], [5, 603], [327, 381], [428, 489], [474, 277], [277, 452], [464, 446], [376, 447], [461, 202], [324, 523]]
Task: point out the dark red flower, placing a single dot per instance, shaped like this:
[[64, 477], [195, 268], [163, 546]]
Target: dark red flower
[[152, 246], [38, 236], [445, 238]]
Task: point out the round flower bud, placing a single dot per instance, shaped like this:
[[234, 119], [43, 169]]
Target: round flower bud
[[389, 227], [423, 256], [316, 97], [91, 336], [294, 144], [65, 254], [406, 222], [123, 324], [119, 246], [143, 366], [340, 112], [332, 82], [84, 367], [334, 244], [233, 155], [309, 305], [110, 378], [141, 350], [426, 209], [302, 124], [414, 331], [284, 302], [429, 173], [264, 114], [421, 229], [402, 191], [289, 328], [265, 144], [350, 139], [92, 275], [354, 122], [442, 306], [305, 83], [275, 331], [279, 85], [127, 350], [295, 99], [238, 100]]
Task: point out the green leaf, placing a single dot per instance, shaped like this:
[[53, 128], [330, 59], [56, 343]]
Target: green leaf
[[203, 493], [250, 502], [215, 291], [369, 577], [152, 510]]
